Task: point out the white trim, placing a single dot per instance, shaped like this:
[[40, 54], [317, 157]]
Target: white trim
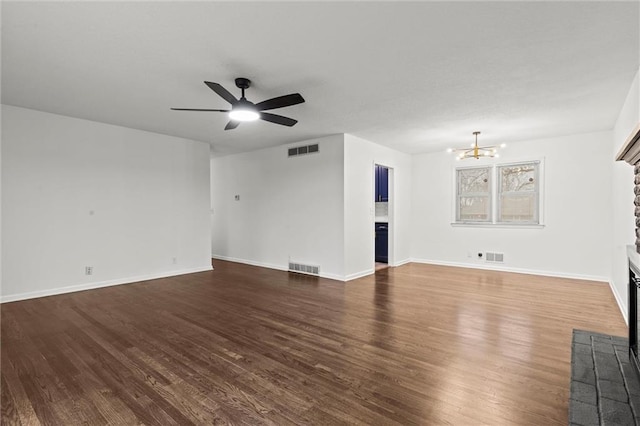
[[334, 277], [515, 270], [251, 262], [497, 225], [400, 263], [360, 274], [284, 268], [456, 207], [623, 308], [494, 165], [100, 284]]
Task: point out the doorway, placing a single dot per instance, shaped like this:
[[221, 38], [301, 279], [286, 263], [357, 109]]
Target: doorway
[[383, 178]]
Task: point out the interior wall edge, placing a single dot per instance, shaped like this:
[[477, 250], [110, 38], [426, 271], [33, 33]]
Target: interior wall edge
[[100, 284], [620, 301]]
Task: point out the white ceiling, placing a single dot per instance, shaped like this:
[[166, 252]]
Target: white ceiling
[[415, 76]]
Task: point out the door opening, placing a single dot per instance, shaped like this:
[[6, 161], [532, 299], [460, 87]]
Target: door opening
[[382, 201]]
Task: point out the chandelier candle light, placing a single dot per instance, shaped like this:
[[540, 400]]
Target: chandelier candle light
[[477, 151]]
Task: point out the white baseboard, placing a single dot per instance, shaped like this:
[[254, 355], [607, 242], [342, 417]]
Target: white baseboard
[[623, 306], [401, 262], [334, 277], [100, 284], [515, 270], [359, 274], [250, 262], [273, 266]]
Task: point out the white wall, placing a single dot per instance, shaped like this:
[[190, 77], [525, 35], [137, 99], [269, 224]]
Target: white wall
[[622, 196], [575, 240], [78, 193], [359, 160], [289, 208]]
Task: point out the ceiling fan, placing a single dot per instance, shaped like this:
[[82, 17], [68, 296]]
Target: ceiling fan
[[244, 110]]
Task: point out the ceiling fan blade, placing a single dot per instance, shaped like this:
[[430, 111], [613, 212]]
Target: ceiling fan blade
[[278, 119], [280, 102], [222, 92], [231, 125], [197, 109]]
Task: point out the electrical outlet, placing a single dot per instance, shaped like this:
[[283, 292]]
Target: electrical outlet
[[88, 270]]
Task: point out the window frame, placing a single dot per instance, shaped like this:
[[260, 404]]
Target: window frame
[[495, 193], [500, 193], [489, 194]]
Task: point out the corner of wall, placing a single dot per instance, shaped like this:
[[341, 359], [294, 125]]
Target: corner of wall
[[289, 208], [622, 193], [622, 304]]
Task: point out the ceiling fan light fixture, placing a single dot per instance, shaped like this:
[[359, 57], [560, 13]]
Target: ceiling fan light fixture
[[244, 110], [243, 114]]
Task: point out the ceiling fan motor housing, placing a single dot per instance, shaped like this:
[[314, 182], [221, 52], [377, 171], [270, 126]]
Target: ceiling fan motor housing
[[243, 103]]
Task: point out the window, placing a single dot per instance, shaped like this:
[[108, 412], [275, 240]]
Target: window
[[474, 195], [518, 193], [499, 194]]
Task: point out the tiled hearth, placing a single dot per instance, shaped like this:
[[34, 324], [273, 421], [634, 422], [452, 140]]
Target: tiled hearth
[[605, 390]]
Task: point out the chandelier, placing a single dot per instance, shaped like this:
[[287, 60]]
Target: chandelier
[[476, 151]]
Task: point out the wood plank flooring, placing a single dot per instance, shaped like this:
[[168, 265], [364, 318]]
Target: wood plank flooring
[[417, 344]]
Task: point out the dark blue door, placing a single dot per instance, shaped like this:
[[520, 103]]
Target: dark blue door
[[382, 242], [382, 183], [377, 184]]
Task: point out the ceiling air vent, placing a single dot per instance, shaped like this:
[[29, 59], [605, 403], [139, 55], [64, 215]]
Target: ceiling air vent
[[301, 150]]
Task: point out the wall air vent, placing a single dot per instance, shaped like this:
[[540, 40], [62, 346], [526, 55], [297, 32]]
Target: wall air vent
[[304, 269], [301, 150], [494, 257]]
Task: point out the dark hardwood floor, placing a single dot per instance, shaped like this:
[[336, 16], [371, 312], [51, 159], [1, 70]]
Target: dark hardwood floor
[[417, 344]]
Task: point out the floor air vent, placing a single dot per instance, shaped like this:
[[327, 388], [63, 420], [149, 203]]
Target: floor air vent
[[304, 269], [301, 150]]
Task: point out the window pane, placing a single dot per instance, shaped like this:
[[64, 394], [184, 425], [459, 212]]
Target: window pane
[[519, 207], [518, 178], [473, 180], [518, 198], [474, 208]]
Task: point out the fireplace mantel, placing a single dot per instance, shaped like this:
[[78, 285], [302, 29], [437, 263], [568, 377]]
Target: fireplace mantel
[[630, 151], [634, 259]]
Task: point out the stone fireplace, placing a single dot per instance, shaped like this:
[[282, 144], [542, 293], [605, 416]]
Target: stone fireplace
[[634, 318], [630, 153]]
